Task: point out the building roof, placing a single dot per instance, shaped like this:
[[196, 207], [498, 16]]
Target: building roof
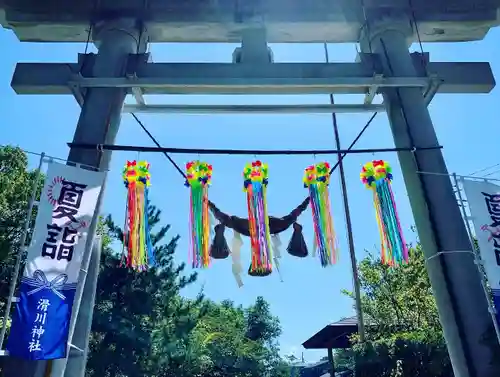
[[335, 335]]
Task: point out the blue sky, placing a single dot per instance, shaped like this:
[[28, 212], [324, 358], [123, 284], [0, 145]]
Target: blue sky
[[310, 297]]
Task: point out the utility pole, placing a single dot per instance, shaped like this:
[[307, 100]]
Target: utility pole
[[461, 301], [350, 237]]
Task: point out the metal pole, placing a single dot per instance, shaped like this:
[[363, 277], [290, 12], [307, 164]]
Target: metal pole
[[22, 249], [76, 365], [253, 109], [478, 259], [462, 306], [350, 238], [98, 123], [204, 151]]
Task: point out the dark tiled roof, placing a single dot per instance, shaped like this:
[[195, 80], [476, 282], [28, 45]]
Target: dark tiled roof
[[350, 321], [335, 335]]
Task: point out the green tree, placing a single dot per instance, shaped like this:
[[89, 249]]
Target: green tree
[[16, 182], [404, 334], [140, 319], [263, 327], [238, 342], [398, 300], [143, 327], [15, 189]]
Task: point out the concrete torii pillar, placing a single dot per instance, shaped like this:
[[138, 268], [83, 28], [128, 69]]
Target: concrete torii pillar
[[98, 123], [454, 277], [101, 112]]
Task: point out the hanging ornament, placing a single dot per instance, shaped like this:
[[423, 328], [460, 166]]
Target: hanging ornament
[[136, 238], [317, 179], [255, 178], [199, 177], [377, 176]]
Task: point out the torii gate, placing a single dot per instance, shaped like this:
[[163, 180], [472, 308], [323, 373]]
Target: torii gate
[[384, 29]]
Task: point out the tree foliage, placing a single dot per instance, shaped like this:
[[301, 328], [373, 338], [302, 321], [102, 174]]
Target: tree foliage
[[16, 182], [404, 335], [399, 300], [131, 308], [143, 327]]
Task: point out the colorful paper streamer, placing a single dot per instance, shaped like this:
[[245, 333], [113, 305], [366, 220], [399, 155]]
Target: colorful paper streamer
[[317, 180], [377, 176], [255, 176], [199, 178], [138, 248]]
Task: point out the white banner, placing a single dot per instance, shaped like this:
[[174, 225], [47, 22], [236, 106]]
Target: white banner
[[66, 209], [484, 203], [67, 205]]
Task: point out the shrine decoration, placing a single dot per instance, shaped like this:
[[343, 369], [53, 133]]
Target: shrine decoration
[[198, 179], [138, 252], [256, 178], [316, 180], [377, 176]]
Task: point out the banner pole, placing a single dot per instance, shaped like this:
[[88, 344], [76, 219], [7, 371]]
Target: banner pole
[[461, 202], [22, 249], [76, 365], [477, 256]]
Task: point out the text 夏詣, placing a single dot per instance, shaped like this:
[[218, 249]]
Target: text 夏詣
[[61, 240]]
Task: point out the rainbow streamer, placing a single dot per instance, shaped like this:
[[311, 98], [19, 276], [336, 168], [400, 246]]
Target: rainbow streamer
[[136, 236], [317, 179], [377, 176], [199, 177], [256, 178]]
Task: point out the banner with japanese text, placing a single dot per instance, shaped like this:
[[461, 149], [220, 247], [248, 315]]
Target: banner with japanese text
[[484, 203], [67, 206]]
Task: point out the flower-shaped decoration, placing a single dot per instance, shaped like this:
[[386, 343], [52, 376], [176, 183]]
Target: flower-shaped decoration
[[374, 171], [138, 172], [255, 172], [319, 173], [198, 173]]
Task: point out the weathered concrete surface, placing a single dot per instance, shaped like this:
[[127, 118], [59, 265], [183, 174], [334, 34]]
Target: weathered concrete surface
[[229, 78], [223, 20]]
